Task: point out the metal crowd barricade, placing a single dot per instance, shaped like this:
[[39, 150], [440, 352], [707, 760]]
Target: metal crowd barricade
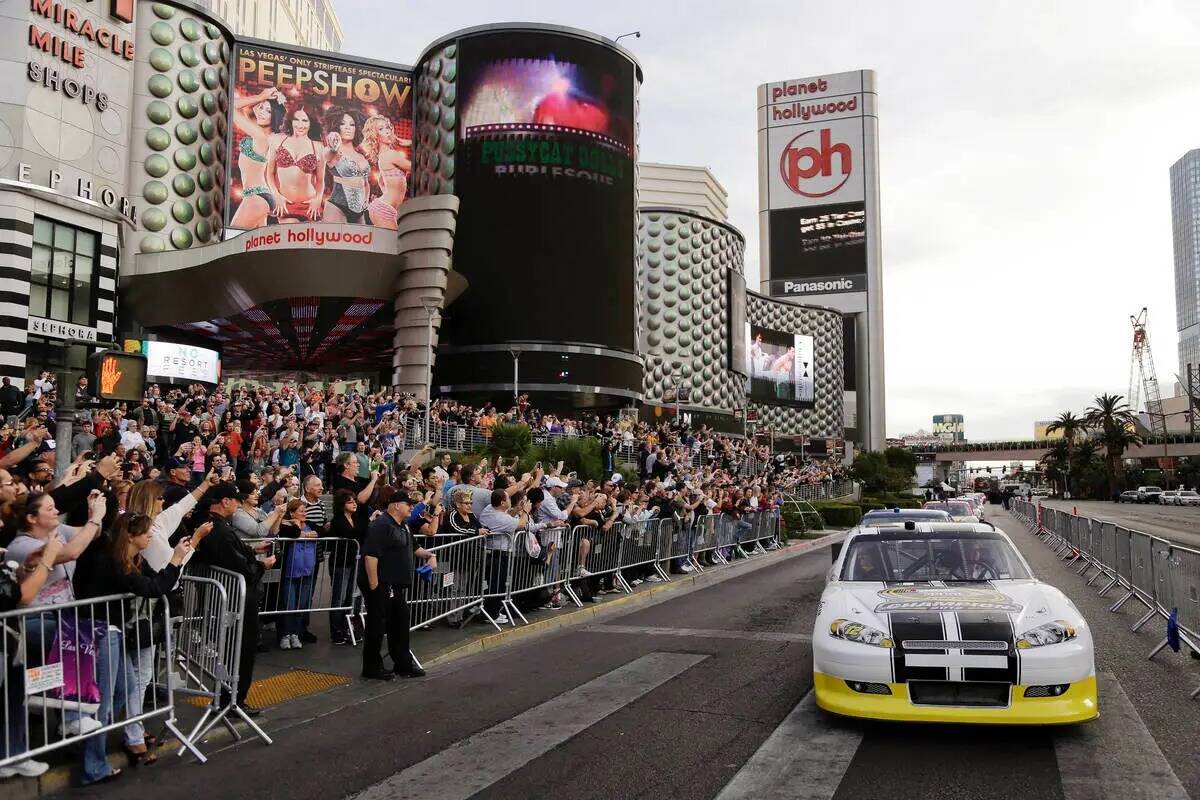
[[1163, 576], [704, 538], [604, 556], [59, 666], [209, 647], [541, 573], [453, 591], [311, 575], [641, 544]]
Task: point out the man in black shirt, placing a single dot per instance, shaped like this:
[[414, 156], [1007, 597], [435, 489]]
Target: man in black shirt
[[224, 548], [385, 578]]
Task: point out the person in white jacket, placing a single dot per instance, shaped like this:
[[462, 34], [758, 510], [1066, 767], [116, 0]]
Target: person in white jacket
[[146, 498]]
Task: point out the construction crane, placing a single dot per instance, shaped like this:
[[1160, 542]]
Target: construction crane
[[1143, 377]]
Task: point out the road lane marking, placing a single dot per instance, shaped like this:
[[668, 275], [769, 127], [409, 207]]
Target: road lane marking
[[1114, 756], [475, 763], [804, 759], [703, 633]]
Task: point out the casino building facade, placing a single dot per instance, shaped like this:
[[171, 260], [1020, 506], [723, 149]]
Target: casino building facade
[[469, 223]]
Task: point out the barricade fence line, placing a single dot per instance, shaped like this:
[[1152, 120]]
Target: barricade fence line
[[1161, 575], [69, 662], [82, 669]]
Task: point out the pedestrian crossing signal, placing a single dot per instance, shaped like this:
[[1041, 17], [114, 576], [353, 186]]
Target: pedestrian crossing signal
[[115, 375]]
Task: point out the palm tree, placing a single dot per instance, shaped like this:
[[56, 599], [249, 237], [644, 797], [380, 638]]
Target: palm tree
[[1111, 416], [1070, 426], [1057, 461]]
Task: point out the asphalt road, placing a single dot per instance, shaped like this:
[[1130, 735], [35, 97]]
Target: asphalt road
[[706, 695], [1176, 523]]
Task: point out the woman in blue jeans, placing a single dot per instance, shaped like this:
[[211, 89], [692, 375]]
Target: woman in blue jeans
[[299, 571], [113, 565]]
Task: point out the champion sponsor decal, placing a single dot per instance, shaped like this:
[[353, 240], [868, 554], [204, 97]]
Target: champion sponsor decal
[[933, 598]]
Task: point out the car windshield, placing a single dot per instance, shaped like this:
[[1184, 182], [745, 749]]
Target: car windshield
[[931, 557], [1188, 493], [915, 515], [957, 509], [1153, 489]]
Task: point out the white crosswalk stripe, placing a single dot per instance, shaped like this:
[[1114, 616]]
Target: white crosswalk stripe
[[804, 759], [473, 764]]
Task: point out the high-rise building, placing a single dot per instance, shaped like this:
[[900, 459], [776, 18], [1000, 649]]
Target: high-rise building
[[693, 188], [308, 23], [1185, 225]]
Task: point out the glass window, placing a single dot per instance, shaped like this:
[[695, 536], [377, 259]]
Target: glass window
[[63, 272], [43, 231]]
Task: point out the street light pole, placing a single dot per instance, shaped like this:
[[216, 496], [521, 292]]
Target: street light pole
[[515, 352], [431, 307]]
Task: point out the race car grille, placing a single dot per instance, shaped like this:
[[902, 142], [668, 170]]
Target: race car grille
[[952, 644], [869, 688], [954, 693], [1053, 690]]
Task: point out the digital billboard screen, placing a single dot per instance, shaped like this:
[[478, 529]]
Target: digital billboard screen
[[818, 249], [317, 139], [737, 323], [546, 231], [183, 362], [780, 366]]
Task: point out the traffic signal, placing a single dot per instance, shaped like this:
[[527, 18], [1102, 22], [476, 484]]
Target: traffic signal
[[115, 375]]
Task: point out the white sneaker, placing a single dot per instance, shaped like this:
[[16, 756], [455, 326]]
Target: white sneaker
[[285, 643], [26, 769], [636, 582], [582, 573], [296, 643], [653, 579], [502, 619], [79, 727], [687, 568]]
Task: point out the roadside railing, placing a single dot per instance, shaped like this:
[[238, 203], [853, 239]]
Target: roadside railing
[[61, 685], [826, 490], [1161, 575], [79, 670]]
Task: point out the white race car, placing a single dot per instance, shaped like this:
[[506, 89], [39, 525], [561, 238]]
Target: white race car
[[944, 622]]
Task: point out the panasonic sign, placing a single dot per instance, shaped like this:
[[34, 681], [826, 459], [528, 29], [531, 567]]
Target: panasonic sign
[[825, 285]]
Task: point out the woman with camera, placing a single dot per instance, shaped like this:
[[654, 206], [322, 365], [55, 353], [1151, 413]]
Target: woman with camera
[[114, 565]]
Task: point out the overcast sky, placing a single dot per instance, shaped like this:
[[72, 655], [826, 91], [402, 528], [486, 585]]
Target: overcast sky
[[1024, 152]]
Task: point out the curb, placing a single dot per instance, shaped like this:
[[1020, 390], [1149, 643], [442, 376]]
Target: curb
[[655, 594], [58, 778]]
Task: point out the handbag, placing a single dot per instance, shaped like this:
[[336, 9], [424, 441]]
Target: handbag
[[144, 630]]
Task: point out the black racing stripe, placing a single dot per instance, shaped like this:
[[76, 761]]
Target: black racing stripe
[[915, 625], [990, 626]]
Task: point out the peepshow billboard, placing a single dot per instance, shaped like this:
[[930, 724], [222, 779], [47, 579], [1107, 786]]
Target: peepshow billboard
[[317, 139]]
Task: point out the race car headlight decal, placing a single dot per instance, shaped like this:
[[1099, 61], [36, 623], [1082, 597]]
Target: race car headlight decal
[[853, 631], [1051, 633]]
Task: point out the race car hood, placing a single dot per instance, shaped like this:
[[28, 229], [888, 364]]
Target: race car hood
[[1028, 603]]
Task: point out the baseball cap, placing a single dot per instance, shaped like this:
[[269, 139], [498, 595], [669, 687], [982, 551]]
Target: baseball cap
[[222, 491], [176, 463], [617, 478], [574, 483], [555, 483]]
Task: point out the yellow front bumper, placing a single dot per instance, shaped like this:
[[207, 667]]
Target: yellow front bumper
[[1078, 704]]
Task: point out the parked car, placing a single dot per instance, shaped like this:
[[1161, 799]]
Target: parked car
[[1168, 497], [1130, 496], [1186, 497], [1149, 494]]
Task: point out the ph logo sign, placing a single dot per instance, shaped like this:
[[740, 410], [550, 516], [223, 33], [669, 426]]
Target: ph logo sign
[[815, 163]]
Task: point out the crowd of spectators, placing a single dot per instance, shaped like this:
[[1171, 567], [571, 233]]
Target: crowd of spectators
[[213, 474]]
